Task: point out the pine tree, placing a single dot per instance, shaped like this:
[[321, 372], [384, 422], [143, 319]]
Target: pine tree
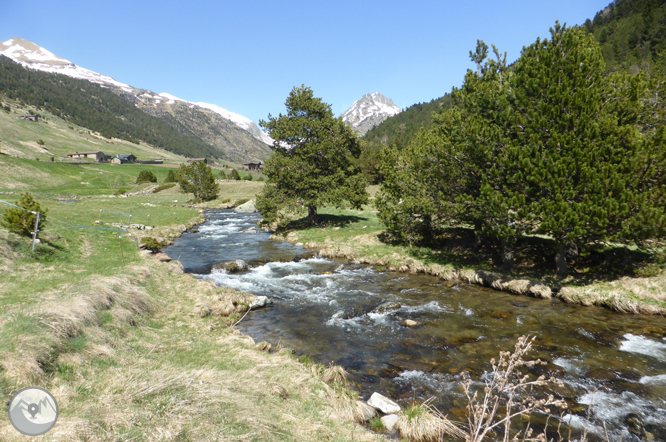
[[197, 178], [22, 222], [314, 160], [578, 161]]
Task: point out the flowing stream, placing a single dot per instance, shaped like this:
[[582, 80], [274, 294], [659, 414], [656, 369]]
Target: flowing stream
[[615, 364]]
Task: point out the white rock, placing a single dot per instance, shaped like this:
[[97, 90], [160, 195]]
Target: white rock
[[260, 301], [389, 421], [383, 404], [246, 208], [409, 323]]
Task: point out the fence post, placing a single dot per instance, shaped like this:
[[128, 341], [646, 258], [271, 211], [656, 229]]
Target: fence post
[[34, 234]]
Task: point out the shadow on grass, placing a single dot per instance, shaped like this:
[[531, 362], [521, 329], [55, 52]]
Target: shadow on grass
[[323, 220], [534, 257]]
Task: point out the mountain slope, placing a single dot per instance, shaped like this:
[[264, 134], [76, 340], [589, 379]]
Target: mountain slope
[[368, 112], [96, 108], [631, 33], [402, 128], [227, 135]]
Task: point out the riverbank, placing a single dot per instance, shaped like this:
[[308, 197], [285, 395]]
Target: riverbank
[[134, 349], [358, 236]]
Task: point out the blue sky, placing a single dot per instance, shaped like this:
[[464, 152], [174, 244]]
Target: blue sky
[[246, 56]]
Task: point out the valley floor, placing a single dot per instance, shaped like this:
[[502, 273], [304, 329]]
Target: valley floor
[[134, 349]]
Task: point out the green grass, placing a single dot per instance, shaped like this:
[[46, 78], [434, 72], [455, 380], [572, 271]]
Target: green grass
[[21, 138], [116, 336]]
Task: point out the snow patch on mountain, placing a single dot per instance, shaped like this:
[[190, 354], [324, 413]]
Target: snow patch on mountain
[[37, 58], [240, 121], [369, 111]]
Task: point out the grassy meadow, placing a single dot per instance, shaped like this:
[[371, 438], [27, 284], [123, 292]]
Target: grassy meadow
[[131, 347]]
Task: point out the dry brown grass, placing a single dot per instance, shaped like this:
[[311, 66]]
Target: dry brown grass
[[630, 295], [334, 374], [183, 380], [70, 312], [423, 423]]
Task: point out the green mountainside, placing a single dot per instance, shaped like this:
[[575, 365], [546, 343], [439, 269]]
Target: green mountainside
[[400, 129], [631, 33], [97, 108]]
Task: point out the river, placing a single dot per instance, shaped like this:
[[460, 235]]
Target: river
[[613, 363]]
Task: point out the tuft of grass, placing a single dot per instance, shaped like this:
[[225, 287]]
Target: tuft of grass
[[422, 423], [334, 374], [377, 425]]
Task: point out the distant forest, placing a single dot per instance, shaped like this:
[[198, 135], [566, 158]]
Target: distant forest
[[631, 33], [632, 36], [97, 109]]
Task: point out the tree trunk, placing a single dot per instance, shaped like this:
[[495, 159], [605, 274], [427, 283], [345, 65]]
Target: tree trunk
[[561, 259], [507, 255], [312, 215], [478, 238]]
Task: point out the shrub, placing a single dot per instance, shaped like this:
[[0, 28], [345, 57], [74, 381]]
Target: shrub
[[234, 175], [248, 177], [21, 222], [197, 178], [171, 177], [40, 142], [164, 187], [120, 191], [7, 109], [261, 178], [146, 176], [150, 243], [223, 176]]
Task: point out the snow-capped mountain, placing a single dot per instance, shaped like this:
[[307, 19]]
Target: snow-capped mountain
[[35, 57], [369, 111]]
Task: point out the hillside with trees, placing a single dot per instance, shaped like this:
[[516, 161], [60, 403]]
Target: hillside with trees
[[403, 127], [631, 33], [97, 108]]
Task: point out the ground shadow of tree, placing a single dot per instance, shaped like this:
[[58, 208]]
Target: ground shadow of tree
[[323, 220], [534, 257]]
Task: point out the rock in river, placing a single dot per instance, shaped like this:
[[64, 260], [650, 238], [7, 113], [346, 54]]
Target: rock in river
[[236, 266], [387, 307], [246, 208]]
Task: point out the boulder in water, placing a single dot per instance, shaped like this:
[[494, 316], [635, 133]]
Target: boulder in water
[[236, 266], [387, 307], [246, 207], [260, 301], [409, 323]]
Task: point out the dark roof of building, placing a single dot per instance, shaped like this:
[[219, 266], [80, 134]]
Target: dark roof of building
[[85, 153]]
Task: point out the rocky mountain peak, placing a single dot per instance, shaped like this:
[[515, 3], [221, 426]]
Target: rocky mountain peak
[[369, 111]]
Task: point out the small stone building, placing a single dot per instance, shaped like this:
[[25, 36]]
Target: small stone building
[[100, 156], [123, 159], [254, 166]]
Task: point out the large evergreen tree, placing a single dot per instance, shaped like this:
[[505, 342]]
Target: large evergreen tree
[[314, 162], [555, 147], [578, 159]]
